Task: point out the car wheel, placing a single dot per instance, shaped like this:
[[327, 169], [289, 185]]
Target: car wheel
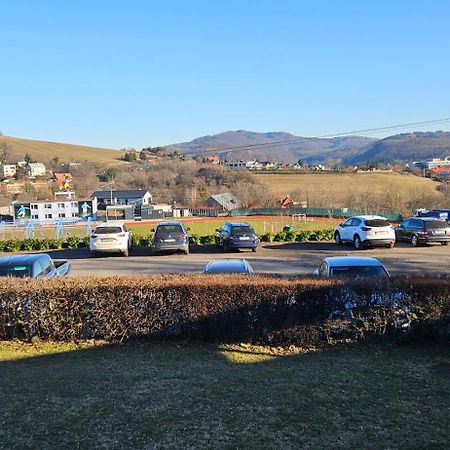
[[414, 241], [444, 243], [357, 243], [391, 245], [186, 252], [337, 238], [126, 252], [254, 249]]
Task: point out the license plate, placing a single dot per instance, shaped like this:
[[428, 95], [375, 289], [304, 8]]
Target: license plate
[[380, 232], [439, 232], [108, 240], [169, 240], [244, 238]]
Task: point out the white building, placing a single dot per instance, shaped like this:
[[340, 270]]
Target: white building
[[36, 169], [136, 197], [235, 165], [7, 170]]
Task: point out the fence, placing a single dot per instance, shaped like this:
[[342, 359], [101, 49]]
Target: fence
[[341, 213]]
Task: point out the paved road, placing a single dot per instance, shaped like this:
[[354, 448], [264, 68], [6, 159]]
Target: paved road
[[273, 258]]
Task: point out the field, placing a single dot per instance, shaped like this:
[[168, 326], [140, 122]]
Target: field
[[340, 186], [200, 227], [45, 151], [175, 396]]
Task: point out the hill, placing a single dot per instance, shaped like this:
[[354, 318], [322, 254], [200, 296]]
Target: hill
[[286, 147], [272, 146], [408, 147], [45, 151]]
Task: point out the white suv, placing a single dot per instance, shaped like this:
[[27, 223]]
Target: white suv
[[110, 237], [365, 231]]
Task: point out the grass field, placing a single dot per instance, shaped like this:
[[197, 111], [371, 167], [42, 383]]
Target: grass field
[[172, 397], [43, 150], [338, 186]]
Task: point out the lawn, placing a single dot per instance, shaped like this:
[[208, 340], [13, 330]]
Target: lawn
[[177, 396]]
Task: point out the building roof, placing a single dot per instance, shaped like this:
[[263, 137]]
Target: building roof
[[130, 193], [227, 200]]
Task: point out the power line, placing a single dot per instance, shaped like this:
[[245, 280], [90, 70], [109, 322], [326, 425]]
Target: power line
[[325, 136]]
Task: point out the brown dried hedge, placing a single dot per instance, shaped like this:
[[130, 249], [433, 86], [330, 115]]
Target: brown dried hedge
[[303, 311]]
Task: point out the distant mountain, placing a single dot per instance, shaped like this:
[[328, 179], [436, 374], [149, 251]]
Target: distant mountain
[[272, 146], [285, 147], [408, 147]]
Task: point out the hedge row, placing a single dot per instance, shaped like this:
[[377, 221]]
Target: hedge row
[[264, 310], [71, 242]]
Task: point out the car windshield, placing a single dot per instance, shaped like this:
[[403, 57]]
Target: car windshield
[[377, 223], [436, 224], [19, 271], [168, 230], [242, 230], [358, 271], [108, 230]]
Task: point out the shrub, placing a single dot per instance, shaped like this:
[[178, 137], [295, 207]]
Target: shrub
[[72, 242], [280, 236], [307, 312], [194, 239], [267, 237], [290, 236], [55, 244], [11, 245], [27, 245], [136, 239], [210, 239]]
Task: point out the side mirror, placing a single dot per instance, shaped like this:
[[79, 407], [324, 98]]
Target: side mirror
[[188, 229]]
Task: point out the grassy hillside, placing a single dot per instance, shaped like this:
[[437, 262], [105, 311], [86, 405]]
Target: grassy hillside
[[338, 188], [45, 151]]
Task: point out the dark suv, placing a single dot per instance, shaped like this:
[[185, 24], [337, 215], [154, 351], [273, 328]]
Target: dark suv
[[236, 235], [170, 236], [424, 230]]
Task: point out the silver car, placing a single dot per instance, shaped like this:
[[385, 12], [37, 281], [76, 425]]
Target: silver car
[[351, 267]]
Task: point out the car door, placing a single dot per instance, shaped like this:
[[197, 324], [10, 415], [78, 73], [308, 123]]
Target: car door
[[402, 231], [355, 228], [344, 230]]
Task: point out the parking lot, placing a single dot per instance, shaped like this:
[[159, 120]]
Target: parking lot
[[286, 259]]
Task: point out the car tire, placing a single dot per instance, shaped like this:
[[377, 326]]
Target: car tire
[[391, 245], [337, 238], [357, 243], [126, 252], [186, 252], [254, 250], [444, 243], [414, 241]]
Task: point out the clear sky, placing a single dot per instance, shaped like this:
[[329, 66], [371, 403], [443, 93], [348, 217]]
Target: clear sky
[[137, 73]]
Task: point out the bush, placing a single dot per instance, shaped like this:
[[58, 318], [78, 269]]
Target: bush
[[12, 245], [264, 310], [280, 236], [194, 239], [210, 239], [267, 237], [55, 244], [72, 242]]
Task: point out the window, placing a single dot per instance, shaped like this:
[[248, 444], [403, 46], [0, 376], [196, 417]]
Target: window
[[61, 205], [34, 206], [48, 206], [49, 216], [62, 215], [74, 204], [75, 214], [34, 216]]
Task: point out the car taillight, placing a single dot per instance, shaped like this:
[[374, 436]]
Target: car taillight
[[183, 236], [423, 232], [366, 228]]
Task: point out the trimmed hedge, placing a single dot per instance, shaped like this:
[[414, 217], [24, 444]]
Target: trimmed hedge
[[71, 242], [265, 310]]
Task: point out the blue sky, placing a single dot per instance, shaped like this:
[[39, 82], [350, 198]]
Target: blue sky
[[139, 73]]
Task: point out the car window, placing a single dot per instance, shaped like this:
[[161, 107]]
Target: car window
[[236, 230], [46, 266], [12, 270], [359, 271], [375, 223], [347, 223], [356, 222], [436, 224], [417, 224], [168, 229], [107, 230], [406, 224]]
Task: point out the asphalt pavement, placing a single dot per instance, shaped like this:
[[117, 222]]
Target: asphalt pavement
[[283, 258]]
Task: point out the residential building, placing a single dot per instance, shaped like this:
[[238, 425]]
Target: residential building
[[7, 170], [136, 197], [235, 165], [35, 169], [433, 163], [223, 202], [63, 179]]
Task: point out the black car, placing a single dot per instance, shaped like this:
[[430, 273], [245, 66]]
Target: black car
[[170, 236], [236, 235], [423, 230]]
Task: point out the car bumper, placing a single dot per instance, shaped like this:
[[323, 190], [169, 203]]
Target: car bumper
[[242, 244], [434, 239], [379, 242], [165, 246]]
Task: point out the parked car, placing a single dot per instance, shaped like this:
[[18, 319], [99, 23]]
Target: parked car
[[110, 238], [33, 266], [170, 236], [364, 231], [423, 230], [228, 266], [351, 267], [235, 236]]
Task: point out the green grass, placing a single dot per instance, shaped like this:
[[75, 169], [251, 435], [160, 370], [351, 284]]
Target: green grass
[[170, 396]]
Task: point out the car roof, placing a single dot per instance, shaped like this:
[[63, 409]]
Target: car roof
[[239, 224], [109, 224], [228, 266], [28, 258], [173, 222], [349, 261], [368, 217], [429, 219]]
